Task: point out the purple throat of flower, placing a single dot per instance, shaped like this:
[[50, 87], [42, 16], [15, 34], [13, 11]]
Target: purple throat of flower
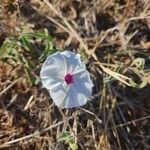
[[69, 79]]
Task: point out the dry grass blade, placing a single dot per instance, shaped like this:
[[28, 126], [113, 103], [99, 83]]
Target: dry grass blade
[[10, 86], [74, 33], [113, 40], [28, 103], [67, 24], [116, 75], [34, 135], [130, 122], [103, 143]]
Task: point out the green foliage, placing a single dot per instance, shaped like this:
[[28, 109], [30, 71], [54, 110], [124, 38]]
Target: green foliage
[[108, 78], [138, 68], [68, 139], [15, 50], [8, 47], [139, 63], [42, 37]]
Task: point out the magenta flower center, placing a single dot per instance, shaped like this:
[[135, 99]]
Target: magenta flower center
[[69, 78]]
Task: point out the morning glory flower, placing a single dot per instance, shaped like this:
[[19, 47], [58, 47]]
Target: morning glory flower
[[65, 77]]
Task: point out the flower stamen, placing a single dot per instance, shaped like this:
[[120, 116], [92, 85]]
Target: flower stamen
[[69, 78]]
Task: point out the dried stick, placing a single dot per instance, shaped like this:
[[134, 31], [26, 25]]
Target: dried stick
[[33, 135], [106, 70]]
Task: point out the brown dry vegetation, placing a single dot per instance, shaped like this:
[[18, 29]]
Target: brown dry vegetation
[[104, 32]]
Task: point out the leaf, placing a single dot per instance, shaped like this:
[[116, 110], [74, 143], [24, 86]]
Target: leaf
[[26, 43], [27, 66], [64, 136], [67, 138], [108, 78], [3, 49], [49, 49], [7, 47], [12, 50], [144, 78], [43, 35], [136, 85], [72, 145], [139, 63], [30, 76]]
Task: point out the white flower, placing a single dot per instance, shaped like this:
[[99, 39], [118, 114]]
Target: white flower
[[67, 80]]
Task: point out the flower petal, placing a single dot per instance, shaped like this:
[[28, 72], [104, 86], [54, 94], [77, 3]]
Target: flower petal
[[83, 81], [49, 82], [73, 61], [75, 97], [68, 97], [54, 65], [59, 93], [53, 70]]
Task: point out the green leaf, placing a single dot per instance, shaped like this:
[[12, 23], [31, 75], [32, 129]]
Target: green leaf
[[49, 49], [67, 138], [7, 47], [136, 85], [72, 144], [43, 35], [139, 63], [30, 76], [108, 78], [13, 50], [138, 68], [26, 43]]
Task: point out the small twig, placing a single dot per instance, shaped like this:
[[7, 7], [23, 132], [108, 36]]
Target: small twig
[[54, 20], [130, 122], [8, 87], [75, 34], [12, 101], [34, 135], [91, 113], [139, 18], [67, 24], [93, 134], [102, 38], [28, 103]]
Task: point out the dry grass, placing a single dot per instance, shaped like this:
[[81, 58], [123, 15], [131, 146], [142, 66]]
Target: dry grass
[[113, 38]]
